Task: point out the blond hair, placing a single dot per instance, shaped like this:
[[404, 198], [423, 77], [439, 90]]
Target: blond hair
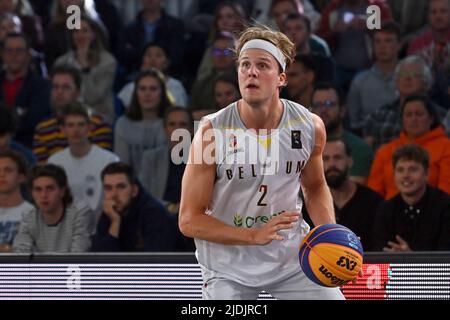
[[280, 40]]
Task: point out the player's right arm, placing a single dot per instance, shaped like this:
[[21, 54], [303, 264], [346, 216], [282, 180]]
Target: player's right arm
[[196, 193]]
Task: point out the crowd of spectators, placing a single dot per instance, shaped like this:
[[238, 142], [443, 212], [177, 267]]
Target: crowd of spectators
[[87, 115]]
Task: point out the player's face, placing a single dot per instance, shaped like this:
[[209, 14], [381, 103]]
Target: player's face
[[225, 93], [297, 32], [149, 93], [259, 77], [63, 90], [10, 178], [336, 163], [76, 128], [410, 79], [416, 119], [386, 46], [410, 177], [117, 188], [439, 14], [47, 195], [154, 57], [325, 104], [298, 80]]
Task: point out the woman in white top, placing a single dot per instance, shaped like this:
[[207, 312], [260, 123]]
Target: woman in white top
[[141, 127], [155, 56], [98, 66]]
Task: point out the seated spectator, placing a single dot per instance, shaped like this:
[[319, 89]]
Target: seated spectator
[[354, 205], [301, 77], [411, 15], [280, 10], [223, 59], [153, 24], [82, 161], [433, 44], [161, 174], [418, 218], [298, 29], [155, 56], [229, 17], [31, 24], [8, 128], [65, 89], [420, 126], [98, 66], [13, 207], [226, 91], [23, 91], [10, 23], [273, 12], [327, 103], [383, 125], [57, 36], [141, 127], [132, 220], [56, 224], [364, 95], [343, 26]]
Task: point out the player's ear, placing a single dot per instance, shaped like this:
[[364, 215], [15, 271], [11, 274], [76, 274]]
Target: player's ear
[[282, 79]]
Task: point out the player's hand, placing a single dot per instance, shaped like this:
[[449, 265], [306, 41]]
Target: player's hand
[[269, 231], [360, 275], [400, 246]]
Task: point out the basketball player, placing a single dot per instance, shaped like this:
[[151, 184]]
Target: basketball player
[[247, 224]]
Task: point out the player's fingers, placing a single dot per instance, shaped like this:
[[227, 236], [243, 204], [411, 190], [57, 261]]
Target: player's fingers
[[386, 249], [277, 237], [285, 219], [290, 213], [284, 226]]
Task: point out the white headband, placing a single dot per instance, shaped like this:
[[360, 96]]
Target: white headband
[[267, 46]]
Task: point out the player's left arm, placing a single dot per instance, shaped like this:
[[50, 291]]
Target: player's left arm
[[317, 195]]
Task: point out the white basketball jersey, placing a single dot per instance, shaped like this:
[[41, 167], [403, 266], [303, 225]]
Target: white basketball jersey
[[248, 193]]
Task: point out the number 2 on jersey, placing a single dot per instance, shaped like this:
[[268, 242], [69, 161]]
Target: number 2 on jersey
[[263, 190]]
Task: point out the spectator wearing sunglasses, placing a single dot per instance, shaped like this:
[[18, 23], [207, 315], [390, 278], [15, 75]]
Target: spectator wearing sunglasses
[[223, 60], [327, 104]]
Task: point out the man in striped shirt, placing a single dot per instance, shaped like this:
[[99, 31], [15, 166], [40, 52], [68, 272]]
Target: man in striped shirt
[[48, 137]]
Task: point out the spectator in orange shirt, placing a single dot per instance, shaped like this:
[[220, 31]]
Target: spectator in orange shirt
[[420, 126]]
